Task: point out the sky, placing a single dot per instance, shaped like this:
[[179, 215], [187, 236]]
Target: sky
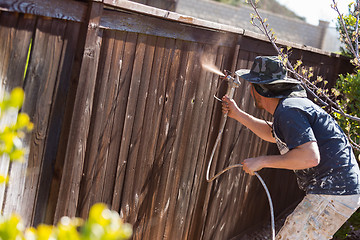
[[315, 10]]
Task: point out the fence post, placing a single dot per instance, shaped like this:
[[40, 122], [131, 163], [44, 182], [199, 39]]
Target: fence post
[[76, 147]]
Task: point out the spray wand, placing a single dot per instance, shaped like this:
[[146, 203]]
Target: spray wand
[[233, 83]]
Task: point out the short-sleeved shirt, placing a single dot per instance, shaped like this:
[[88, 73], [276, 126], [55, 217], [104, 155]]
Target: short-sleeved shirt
[[298, 121]]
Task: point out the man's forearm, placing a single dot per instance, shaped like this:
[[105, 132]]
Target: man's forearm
[[301, 157], [292, 160], [256, 125]]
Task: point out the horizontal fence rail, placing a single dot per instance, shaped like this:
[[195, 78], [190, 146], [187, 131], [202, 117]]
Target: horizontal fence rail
[[124, 114]]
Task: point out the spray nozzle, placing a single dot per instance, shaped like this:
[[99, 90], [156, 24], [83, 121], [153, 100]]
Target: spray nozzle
[[233, 81]]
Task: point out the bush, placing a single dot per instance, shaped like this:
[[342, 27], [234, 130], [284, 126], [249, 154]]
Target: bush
[[349, 86], [14, 125], [102, 224]]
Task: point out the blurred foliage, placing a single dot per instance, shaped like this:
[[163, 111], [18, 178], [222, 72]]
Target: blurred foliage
[[12, 132], [349, 86], [102, 224]]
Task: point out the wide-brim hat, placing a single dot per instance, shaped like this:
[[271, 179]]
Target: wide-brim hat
[[269, 77]]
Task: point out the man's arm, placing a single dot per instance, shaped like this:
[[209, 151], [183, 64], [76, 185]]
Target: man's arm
[[304, 156], [256, 125]]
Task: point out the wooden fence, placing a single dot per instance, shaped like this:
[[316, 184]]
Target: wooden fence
[[124, 114]]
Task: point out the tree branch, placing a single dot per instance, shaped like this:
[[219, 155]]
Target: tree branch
[[263, 27]]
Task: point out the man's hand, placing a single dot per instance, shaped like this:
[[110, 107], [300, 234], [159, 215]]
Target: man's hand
[[252, 165], [229, 106]]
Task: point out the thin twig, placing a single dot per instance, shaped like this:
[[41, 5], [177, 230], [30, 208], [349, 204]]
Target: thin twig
[[347, 40]]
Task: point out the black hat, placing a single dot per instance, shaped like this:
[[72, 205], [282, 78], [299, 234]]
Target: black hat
[[269, 77]]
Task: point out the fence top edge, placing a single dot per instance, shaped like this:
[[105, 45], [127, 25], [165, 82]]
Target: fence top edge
[[169, 15], [280, 43], [165, 14], [50, 8]]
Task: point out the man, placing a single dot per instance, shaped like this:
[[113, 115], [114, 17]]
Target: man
[[310, 142]]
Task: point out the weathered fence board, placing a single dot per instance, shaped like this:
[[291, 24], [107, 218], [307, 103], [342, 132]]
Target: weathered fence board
[[14, 42], [69, 187], [65, 9], [124, 114], [56, 119], [46, 59]]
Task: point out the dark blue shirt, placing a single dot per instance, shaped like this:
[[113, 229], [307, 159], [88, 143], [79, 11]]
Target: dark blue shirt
[[298, 121]]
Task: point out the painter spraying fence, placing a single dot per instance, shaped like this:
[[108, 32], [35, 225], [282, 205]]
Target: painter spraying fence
[[124, 114], [233, 83]]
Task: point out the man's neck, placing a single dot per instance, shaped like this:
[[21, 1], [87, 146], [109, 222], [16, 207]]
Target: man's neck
[[271, 104]]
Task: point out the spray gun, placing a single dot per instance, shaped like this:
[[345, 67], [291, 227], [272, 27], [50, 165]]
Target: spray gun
[[233, 83]]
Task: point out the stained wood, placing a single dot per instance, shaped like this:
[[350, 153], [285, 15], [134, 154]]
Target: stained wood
[[95, 162], [139, 193], [52, 59], [167, 133], [199, 208], [112, 106], [120, 116], [129, 140], [125, 21], [8, 27], [79, 128], [201, 125], [56, 121], [15, 35], [63, 9], [35, 93]]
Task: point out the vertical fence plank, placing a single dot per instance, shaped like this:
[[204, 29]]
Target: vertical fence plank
[[174, 181], [75, 153], [154, 179], [165, 134], [56, 121], [39, 88], [140, 129], [168, 134], [112, 126], [128, 139], [8, 23], [156, 103], [17, 53], [199, 209], [94, 163], [49, 64], [121, 132], [195, 128], [201, 127]]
